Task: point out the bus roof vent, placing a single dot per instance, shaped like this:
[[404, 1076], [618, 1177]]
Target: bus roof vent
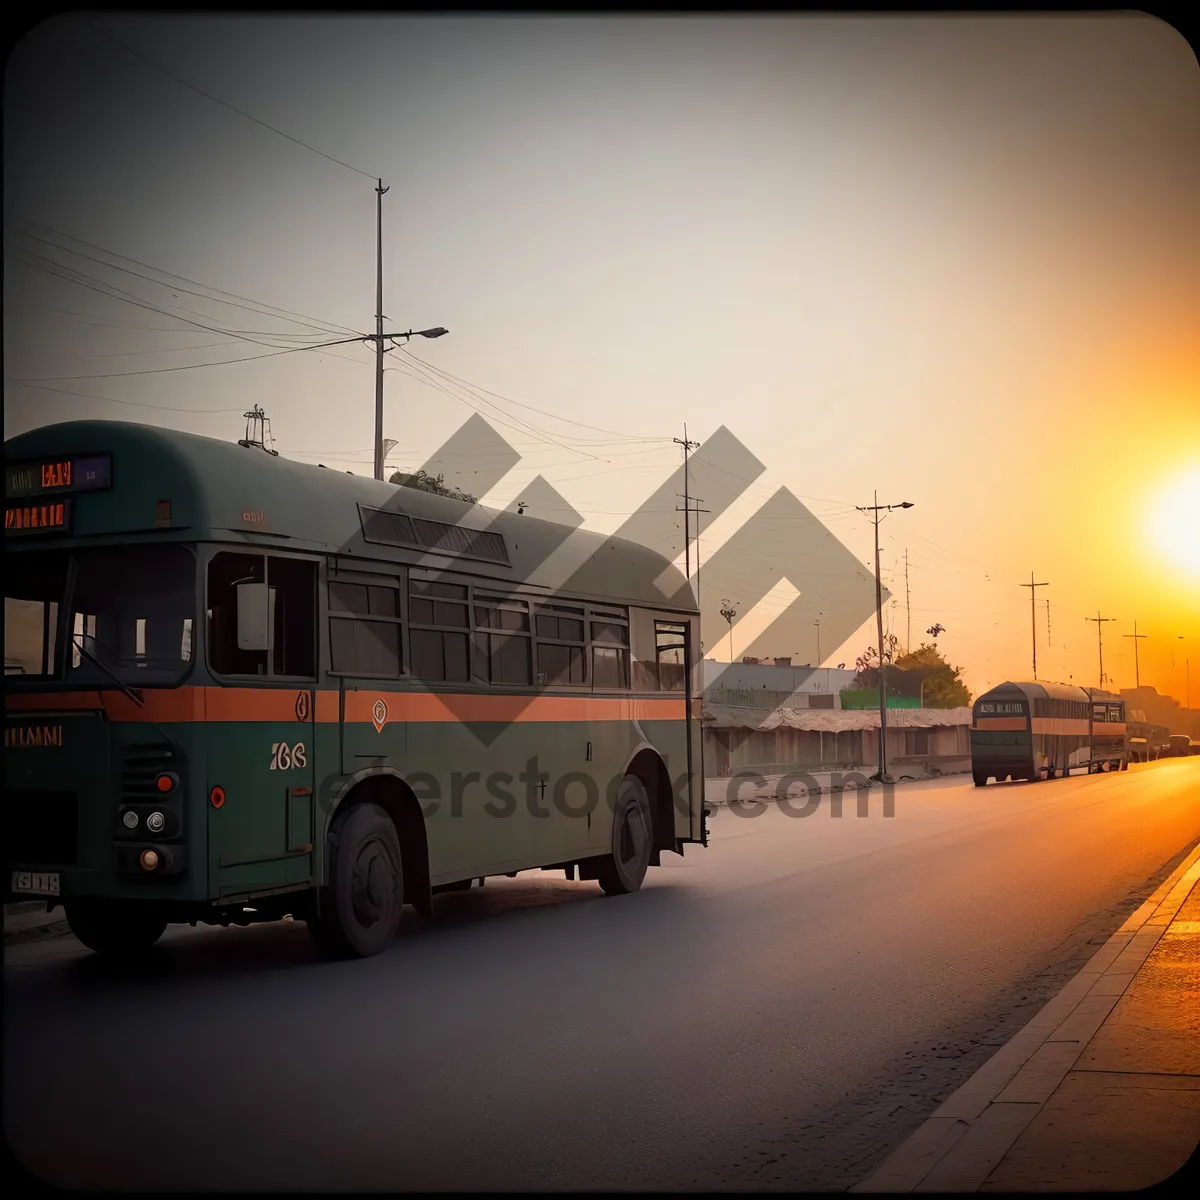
[[398, 529]]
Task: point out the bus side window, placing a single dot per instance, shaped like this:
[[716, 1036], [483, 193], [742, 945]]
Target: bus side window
[[503, 644], [1099, 712], [610, 653], [670, 650], [561, 644], [364, 628], [439, 626], [294, 628]]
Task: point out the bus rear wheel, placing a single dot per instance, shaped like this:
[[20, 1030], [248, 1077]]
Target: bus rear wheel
[[114, 929], [360, 908], [980, 778], [623, 871]]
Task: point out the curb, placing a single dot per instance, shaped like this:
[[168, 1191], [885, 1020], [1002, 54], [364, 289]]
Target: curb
[[959, 1146]]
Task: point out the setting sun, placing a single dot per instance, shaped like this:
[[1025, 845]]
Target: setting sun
[[1175, 521]]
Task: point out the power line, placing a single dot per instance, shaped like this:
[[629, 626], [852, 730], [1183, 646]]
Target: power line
[[268, 309], [530, 407], [221, 362], [257, 308], [216, 100], [80, 279], [131, 403]]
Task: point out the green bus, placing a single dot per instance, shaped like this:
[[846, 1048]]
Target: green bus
[[239, 688]]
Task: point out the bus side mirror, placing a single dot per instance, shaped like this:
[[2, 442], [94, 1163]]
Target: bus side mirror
[[255, 616]]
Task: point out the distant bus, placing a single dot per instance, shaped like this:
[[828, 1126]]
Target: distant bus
[[239, 688], [1045, 730]]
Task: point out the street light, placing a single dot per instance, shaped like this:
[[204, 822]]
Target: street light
[[877, 508], [729, 612], [379, 338]]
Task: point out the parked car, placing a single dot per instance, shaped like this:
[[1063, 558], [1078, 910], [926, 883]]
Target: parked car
[[1179, 745]]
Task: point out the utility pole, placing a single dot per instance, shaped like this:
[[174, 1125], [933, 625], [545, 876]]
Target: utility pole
[[877, 508], [697, 501], [380, 191], [1033, 612], [817, 623], [1100, 636], [687, 540], [1137, 675], [907, 606]]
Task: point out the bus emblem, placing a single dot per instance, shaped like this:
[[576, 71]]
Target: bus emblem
[[379, 715], [302, 707]]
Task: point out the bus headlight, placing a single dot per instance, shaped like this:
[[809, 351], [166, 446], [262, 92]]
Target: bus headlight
[[155, 822]]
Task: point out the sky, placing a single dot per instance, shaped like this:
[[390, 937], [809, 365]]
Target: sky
[[953, 261]]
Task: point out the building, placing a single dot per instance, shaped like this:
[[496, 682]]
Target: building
[[761, 684], [772, 717], [921, 741]]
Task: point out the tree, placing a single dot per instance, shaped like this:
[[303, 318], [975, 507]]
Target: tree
[[943, 685], [922, 673], [424, 482], [867, 665]]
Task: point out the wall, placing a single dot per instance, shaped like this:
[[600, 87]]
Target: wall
[[782, 680]]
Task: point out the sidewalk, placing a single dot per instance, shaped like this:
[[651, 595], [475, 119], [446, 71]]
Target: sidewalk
[[1099, 1092]]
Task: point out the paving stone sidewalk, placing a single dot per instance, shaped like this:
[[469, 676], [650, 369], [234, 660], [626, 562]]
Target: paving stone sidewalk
[[1099, 1092]]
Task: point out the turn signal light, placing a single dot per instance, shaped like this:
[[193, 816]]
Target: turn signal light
[[149, 860], [165, 783], [217, 797]]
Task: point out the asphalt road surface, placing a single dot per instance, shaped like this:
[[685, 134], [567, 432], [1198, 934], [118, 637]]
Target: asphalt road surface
[[778, 1011]]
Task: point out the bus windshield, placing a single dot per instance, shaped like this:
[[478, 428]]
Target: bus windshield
[[131, 608]]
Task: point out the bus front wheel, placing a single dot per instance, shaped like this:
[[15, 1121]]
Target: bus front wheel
[[360, 909], [114, 929], [623, 870]]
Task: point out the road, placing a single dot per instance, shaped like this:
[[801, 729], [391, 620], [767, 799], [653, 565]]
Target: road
[[778, 1011]]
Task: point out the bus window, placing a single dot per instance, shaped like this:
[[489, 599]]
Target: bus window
[[1115, 713], [129, 611], [33, 588], [439, 627], [503, 645], [561, 645], [670, 647], [293, 582], [610, 654], [364, 629], [1099, 712]]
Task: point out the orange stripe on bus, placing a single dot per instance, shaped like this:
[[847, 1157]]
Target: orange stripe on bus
[[188, 704], [1061, 726], [474, 707]]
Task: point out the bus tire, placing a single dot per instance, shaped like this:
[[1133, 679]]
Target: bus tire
[[361, 906], [114, 929], [623, 871], [980, 778]]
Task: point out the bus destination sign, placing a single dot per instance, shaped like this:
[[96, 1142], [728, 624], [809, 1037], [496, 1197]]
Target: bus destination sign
[[58, 476], [52, 517]]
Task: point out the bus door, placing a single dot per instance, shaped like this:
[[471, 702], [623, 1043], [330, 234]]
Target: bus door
[[260, 723], [367, 661]]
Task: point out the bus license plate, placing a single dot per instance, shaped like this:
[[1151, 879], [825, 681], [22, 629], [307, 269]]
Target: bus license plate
[[35, 883]]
